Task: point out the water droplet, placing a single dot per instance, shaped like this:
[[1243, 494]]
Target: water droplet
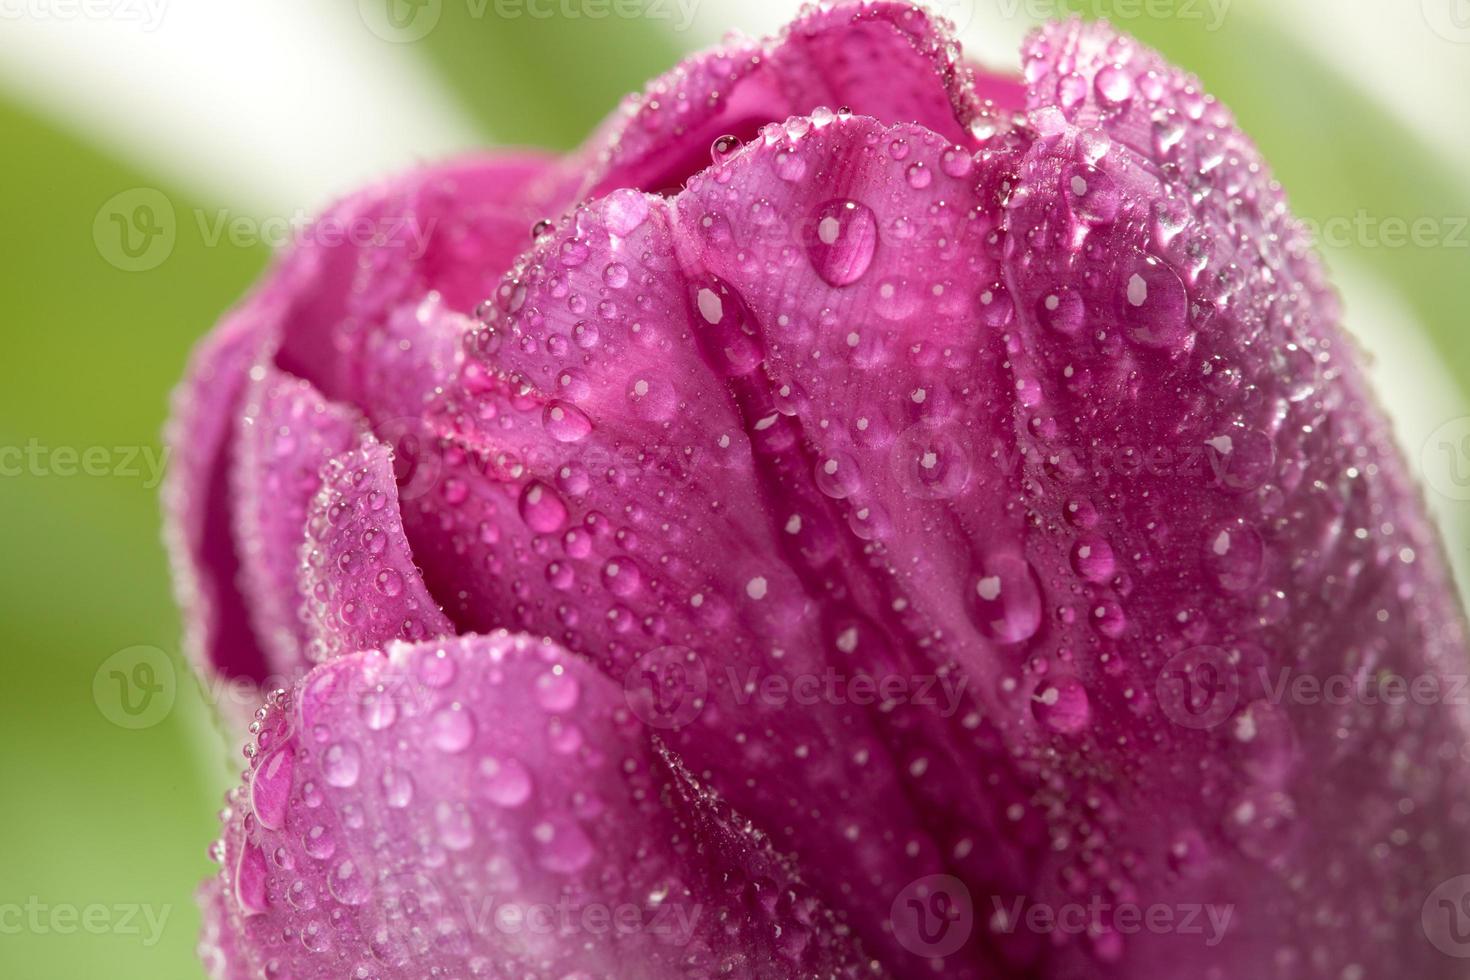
[[1006, 599], [1062, 310], [348, 884], [397, 788], [563, 846], [541, 508], [565, 422], [1235, 556], [789, 165], [1062, 706], [341, 765], [1093, 559], [270, 786], [452, 728], [505, 782], [723, 148], [841, 241], [624, 210], [1155, 305], [557, 691], [1091, 194], [389, 582]]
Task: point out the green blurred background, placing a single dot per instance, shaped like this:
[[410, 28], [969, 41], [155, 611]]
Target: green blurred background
[[94, 813]]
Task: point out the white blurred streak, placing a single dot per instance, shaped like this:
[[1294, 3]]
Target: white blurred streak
[[1410, 56], [990, 30], [268, 106], [1417, 390]]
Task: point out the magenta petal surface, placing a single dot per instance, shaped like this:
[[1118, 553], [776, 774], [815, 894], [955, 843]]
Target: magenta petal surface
[[219, 633], [287, 434], [356, 570], [489, 807], [361, 309], [1217, 513], [963, 492], [886, 59]]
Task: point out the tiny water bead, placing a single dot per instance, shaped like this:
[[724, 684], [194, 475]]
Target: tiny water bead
[[841, 241]]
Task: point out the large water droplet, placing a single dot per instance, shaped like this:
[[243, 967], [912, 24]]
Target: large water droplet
[[270, 786], [1005, 599], [341, 765], [452, 728], [841, 240], [541, 508], [1155, 305]]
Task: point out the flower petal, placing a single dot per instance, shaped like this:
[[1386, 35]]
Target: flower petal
[[196, 493], [620, 474], [891, 60], [360, 586], [489, 804], [360, 308], [1218, 513], [287, 434]]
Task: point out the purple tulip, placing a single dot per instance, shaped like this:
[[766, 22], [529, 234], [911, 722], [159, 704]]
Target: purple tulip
[[944, 535]]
